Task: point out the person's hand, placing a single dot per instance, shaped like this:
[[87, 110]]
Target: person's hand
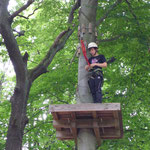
[[87, 67], [92, 65]]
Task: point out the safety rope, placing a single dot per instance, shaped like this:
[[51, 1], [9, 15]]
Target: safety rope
[[84, 52]]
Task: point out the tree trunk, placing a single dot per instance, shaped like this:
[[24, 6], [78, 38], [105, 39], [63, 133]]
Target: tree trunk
[[18, 118], [87, 17]]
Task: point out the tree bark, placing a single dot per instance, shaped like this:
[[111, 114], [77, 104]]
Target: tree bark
[[18, 118], [87, 15], [86, 140]]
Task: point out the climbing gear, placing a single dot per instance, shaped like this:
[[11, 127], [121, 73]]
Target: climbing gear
[[84, 51], [94, 73], [92, 45], [97, 71]]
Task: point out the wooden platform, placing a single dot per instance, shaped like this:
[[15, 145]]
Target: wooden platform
[[105, 119]]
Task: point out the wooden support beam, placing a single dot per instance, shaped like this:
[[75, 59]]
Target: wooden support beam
[[94, 114], [97, 132], [86, 123], [73, 115], [55, 116], [105, 107], [109, 134], [74, 130], [116, 118], [101, 121]]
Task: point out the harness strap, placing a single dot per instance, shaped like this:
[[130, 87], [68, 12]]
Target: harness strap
[[84, 52], [97, 69]]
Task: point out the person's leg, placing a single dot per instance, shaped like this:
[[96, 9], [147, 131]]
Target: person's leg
[[98, 84], [91, 83]]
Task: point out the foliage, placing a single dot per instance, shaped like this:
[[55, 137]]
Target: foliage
[[127, 80]]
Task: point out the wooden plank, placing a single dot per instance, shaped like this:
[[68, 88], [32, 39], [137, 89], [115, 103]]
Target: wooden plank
[[64, 116], [86, 123], [105, 113], [109, 134], [82, 115], [84, 107]]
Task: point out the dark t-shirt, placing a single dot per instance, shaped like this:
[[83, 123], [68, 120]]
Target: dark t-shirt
[[97, 59]]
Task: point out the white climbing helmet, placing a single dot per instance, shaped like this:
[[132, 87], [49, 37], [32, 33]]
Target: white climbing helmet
[[92, 44]]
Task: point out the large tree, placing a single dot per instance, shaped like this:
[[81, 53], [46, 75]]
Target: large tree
[[123, 33], [24, 76]]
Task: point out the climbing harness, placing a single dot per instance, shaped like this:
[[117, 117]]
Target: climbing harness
[[96, 73]]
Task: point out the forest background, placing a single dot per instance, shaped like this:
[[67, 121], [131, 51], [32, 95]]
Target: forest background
[[122, 34]]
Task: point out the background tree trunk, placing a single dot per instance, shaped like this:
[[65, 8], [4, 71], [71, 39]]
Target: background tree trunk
[[87, 15], [18, 118]]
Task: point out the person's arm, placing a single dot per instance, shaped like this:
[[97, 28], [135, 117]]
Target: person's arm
[[88, 67], [102, 65]]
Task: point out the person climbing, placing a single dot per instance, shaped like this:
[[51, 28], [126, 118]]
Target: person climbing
[[97, 62]]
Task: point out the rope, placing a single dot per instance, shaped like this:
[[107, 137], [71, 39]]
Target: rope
[[84, 52]]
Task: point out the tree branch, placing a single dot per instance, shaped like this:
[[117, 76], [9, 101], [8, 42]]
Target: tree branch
[[57, 46], [29, 2], [1, 82], [21, 33], [25, 58], [36, 126], [29, 14], [131, 130], [136, 19], [33, 12], [111, 60], [108, 12], [109, 40], [130, 9], [12, 47], [76, 6], [75, 54]]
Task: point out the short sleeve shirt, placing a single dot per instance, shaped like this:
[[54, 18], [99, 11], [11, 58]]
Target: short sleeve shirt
[[97, 59]]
